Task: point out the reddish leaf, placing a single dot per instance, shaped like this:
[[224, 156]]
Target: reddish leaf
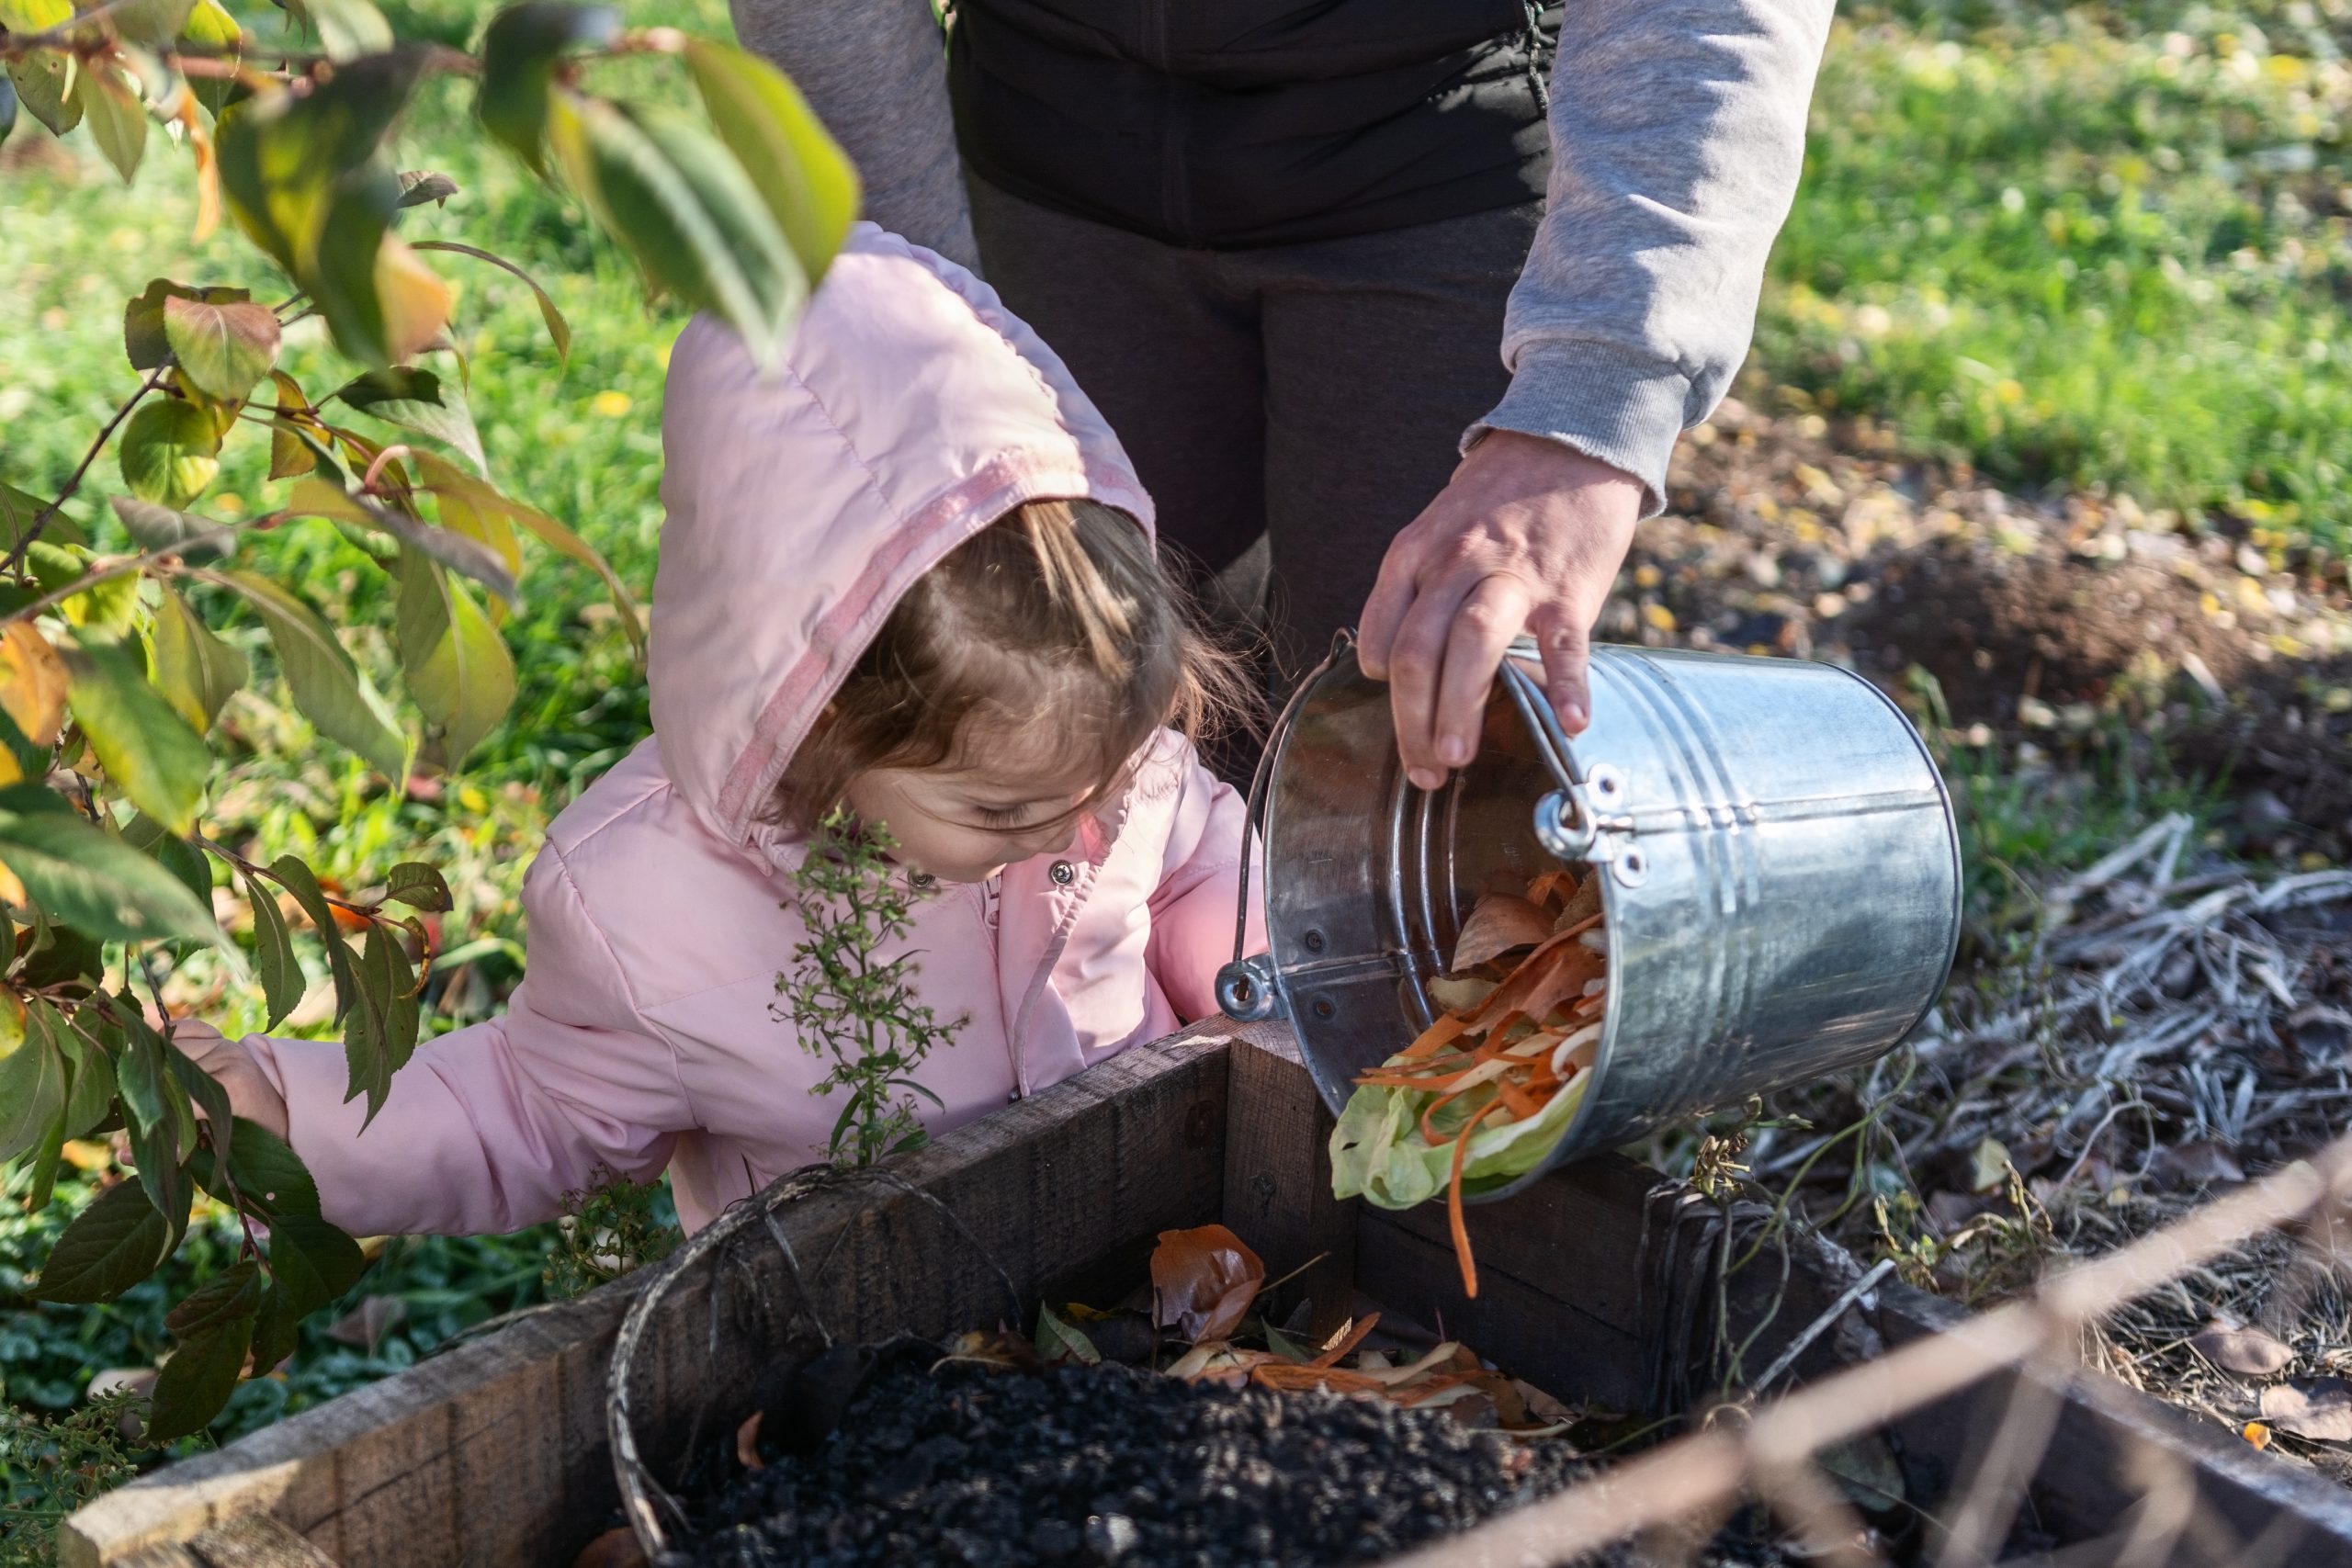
[[2318, 1409], [614, 1548], [747, 1442], [2249, 1352], [1203, 1281], [1499, 923]]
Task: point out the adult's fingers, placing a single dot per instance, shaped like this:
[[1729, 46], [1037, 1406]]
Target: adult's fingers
[[1416, 661], [1566, 646], [1491, 615], [1391, 600]]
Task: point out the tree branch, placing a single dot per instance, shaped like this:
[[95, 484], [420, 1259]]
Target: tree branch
[[40, 519]]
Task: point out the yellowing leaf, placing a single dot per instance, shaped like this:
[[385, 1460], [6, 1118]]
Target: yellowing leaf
[[32, 683], [170, 452], [416, 302], [147, 749]]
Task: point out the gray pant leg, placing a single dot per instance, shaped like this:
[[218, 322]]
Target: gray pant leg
[[1169, 354], [1381, 350]]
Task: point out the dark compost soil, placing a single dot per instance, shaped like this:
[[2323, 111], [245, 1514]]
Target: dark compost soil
[[1103, 1464]]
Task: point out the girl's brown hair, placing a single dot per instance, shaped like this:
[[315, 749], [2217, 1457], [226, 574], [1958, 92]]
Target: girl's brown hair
[[1056, 625]]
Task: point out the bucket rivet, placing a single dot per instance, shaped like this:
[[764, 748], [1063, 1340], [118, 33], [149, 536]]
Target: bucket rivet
[[1323, 1008], [1313, 940]]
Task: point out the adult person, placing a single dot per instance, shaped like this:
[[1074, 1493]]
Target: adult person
[[1276, 240]]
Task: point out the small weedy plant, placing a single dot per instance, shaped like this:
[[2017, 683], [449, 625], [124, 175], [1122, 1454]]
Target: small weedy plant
[[850, 1003]]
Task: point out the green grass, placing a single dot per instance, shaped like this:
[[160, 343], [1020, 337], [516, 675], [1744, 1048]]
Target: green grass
[[2098, 246]]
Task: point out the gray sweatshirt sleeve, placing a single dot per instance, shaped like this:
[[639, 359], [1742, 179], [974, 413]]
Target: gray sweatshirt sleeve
[[1678, 133], [875, 73]]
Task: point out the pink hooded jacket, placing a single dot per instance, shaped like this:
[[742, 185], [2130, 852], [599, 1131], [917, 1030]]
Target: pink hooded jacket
[[910, 411]]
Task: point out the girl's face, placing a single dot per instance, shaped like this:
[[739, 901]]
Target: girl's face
[[966, 824]]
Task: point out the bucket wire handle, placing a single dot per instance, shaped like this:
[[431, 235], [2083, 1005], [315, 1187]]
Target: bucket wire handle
[[1244, 989], [1568, 822]]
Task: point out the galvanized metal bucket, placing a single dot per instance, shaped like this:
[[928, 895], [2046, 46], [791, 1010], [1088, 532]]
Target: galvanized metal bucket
[[1781, 874]]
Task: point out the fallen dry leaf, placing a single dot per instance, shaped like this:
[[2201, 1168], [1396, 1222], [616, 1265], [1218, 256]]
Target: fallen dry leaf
[[1500, 923], [1582, 905], [1348, 1337], [2249, 1352], [1461, 996], [747, 1442], [2257, 1434], [2317, 1408], [365, 1325], [1203, 1281], [1542, 1405], [614, 1548]]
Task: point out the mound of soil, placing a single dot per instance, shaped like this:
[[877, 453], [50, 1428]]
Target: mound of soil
[[1998, 629], [1110, 1464]]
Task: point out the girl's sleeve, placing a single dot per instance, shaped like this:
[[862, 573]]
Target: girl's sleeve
[[1192, 911], [487, 1128]]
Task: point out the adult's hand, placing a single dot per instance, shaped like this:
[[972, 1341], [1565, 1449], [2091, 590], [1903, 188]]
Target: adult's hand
[[1527, 536]]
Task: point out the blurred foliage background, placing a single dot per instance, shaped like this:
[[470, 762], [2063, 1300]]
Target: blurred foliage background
[[2101, 246]]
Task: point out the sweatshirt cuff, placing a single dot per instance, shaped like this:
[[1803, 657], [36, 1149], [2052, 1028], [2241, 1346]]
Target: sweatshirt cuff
[[1623, 408]]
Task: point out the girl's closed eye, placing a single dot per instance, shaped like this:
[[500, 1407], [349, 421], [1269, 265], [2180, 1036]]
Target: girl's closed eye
[[1002, 818]]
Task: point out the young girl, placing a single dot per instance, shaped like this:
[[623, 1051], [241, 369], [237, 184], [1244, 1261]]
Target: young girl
[[908, 573]]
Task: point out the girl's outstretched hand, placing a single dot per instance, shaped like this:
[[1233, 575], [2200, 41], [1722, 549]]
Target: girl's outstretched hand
[[250, 1094]]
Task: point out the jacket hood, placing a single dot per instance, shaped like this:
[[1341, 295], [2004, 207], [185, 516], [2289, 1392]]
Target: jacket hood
[[910, 409]]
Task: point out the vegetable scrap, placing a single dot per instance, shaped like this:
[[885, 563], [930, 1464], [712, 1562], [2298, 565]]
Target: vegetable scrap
[[1484, 1093]]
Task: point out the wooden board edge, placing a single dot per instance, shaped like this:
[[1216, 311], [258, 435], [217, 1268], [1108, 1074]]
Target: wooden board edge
[[257, 1473]]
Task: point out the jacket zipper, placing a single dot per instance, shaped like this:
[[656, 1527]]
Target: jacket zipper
[[1175, 209]]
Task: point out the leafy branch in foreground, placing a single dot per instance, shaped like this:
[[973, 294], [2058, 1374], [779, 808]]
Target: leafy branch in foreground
[[112, 675], [851, 1004]]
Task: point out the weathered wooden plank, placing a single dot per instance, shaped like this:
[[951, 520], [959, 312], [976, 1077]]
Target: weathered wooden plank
[[495, 1451], [1278, 1177], [257, 1541]]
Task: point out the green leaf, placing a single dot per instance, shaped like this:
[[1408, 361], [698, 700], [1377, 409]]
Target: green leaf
[[808, 184], [32, 1081], [315, 497], [518, 59], [155, 23], [18, 510], [349, 28], [7, 108], [277, 1327], [60, 957], [92, 1092], [210, 25], [117, 119], [195, 1384], [148, 750], [305, 180], [232, 1293], [110, 604], [178, 855], [170, 452], [366, 1044], [324, 682], [420, 400], [665, 188], [111, 1245], [270, 1177], [158, 1109], [90, 879], [296, 878], [334, 1259], [420, 186], [419, 886], [196, 672], [457, 666], [153, 527], [143, 338], [282, 983], [47, 1156], [446, 482], [47, 81], [224, 347], [1059, 1341], [558, 330]]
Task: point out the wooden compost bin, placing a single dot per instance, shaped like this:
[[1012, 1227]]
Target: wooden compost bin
[[495, 1451]]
